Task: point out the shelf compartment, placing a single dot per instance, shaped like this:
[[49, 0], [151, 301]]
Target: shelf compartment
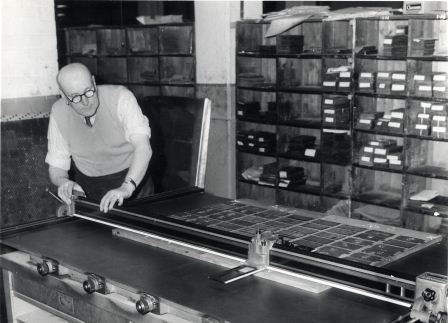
[[428, 29], [143, 69], [112, 70], [140, 91], [256, 72], [335, 180], [250, 38], [81, 42], [256, 106], [111, 42], [293, 73], [336, 147], [90, 62], [175, 90], [427, 158], [337, 36], [299, 143], [177, 69], [299, 110], [429, 171], [143, 41], [176, 40], [299, 176], [377, 187]]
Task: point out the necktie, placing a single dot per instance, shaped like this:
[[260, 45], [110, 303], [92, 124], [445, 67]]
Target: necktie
[[88, 122]]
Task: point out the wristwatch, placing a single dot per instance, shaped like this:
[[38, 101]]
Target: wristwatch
[[129, 180]]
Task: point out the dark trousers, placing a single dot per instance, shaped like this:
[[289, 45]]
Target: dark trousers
[[97, 186]]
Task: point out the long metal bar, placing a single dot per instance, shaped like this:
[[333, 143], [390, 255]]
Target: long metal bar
[[351, 289]]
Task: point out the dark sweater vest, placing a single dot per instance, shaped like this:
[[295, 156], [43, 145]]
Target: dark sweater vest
[[102, 149]]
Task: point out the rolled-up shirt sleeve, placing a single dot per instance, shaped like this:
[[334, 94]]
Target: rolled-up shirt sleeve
[[58, 154], [131, 115]]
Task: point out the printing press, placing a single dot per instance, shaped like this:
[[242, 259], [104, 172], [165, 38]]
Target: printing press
[[183, 255]]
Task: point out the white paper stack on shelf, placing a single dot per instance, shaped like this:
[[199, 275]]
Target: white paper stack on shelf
[[425, 195]]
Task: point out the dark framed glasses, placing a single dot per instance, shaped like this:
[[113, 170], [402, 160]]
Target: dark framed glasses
[[78, 98]]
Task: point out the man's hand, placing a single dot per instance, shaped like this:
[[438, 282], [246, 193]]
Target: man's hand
[[65, 190], [117, 194]]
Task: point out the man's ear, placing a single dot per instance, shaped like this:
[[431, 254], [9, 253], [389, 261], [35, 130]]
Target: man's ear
[[63, 96], [93, 80]]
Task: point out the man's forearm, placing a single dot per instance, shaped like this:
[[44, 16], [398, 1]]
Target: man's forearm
[[58, 176], [140, 161]]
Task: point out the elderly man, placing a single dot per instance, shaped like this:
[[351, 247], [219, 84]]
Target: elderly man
[[101, 131]]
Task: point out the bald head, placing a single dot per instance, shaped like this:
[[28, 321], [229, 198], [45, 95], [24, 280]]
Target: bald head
[[73, 75]]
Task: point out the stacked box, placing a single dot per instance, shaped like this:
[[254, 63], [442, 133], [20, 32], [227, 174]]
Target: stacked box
[[423, 46], [271, 114], [248, 109], [256, 141], [439, 120], [381, 153], [302, 146], [345, 81], [330, 81], [382, 124], [396, 122], [383, 82], [439, 85], [291, 176], [289, 44], [269, 174], [336, 111], [366, 82], [422, 85], [422, 125], [395, 160], [395, 45], [398, 84], [367, 120], [335, 147]]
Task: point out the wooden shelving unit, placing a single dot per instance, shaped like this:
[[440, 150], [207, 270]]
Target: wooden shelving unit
[[149, 60], [291, 88]]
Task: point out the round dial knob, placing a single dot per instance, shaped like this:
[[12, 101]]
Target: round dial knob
[[146, 304], [92, 284], [429, 295], [43, 269]]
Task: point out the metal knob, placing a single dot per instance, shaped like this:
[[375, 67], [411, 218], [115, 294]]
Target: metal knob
[[146, 304], [93, 284], [47, 267], [429, 295]]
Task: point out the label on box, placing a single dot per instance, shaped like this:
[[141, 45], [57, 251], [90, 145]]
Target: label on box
[[400, 31], [421, 126], [424, 88], [240, 143], [366, 75], [427, 205], [436, 107], [383, 75], [439, 129], [392, 157], [328, 101], [365, 159], [368, 149], [382, 86], [439, 118], [283, 174], [344, 74], [261, 139], [250, 136], [261, 149], [425, 104], [439, 88], [399, 76], [344, 84], [365, 121], [380, 160], [328, 83], [374, 143], [439, 77], [329, 119], [395, 162], [310, 152], [397, 87], [283, 184], [418, 77], [398, 115], [394, 124], [423, 116], [240, 113], [329, 111], [380, 151], [364, 85], [387, 41], [251, 144]]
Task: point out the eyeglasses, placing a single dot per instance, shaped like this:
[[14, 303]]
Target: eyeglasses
[[77, 98]]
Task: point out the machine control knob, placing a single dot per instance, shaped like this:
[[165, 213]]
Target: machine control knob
[[146, 304], [429, 295], [93, 284], [47, 267]]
